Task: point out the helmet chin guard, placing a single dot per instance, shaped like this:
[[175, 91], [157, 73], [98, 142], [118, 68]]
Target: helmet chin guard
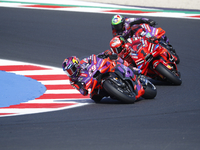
[[70, 65], [118, 22]]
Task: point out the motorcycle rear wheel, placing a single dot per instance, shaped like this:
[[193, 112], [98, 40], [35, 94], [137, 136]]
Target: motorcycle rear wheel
[[118, 92], [171, 77]]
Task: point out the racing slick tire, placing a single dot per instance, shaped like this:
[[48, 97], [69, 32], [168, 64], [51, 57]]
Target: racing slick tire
[[170, 76], [119, 93], [150, 91]]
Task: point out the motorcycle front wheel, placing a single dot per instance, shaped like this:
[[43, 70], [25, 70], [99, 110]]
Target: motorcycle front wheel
[[121, 93], [170, 76]]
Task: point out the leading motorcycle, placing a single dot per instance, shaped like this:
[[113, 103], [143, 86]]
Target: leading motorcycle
[[109, 78]]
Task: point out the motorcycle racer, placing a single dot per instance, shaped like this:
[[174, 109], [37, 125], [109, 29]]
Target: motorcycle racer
[[75, 70], [121, 25], [127, 50], [124, 49], [132, 28]]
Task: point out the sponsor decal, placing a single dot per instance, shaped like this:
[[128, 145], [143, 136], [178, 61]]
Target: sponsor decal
[[153, 32], [139, 67], [156, 47], [138, 63], [148, 35], [148, 28], [169, 67], [143, 43]]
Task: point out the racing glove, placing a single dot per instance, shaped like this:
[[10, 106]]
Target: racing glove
[[80, 87], [105, 54], [113, 57], [151, 22]]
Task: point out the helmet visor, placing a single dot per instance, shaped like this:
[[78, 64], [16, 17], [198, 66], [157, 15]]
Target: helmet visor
[[70, 70], [117, 50]]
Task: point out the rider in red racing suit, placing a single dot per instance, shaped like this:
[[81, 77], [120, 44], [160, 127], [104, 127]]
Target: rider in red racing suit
[[124, 48]]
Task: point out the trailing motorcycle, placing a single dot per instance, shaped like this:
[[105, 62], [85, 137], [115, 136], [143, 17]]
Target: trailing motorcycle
[[154, 62], [156, 34], [107, 77]]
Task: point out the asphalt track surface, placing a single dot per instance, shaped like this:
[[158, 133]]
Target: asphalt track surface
[[169, 122]]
